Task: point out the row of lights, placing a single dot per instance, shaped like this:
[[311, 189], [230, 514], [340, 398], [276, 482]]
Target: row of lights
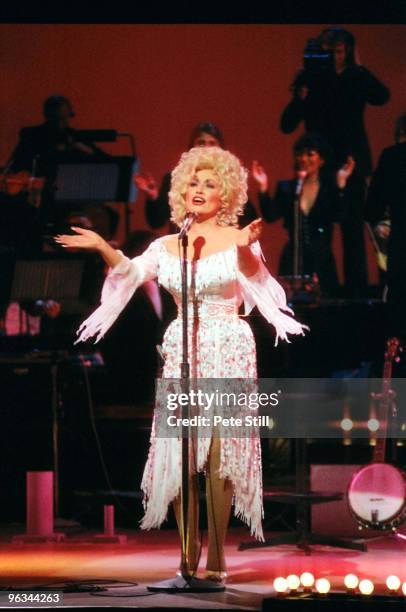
[[347, 424], [323, 586]]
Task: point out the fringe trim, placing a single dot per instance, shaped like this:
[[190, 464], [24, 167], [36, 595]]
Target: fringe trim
[[158, 497]]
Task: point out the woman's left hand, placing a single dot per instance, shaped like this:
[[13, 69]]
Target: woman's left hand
[[249, 234]]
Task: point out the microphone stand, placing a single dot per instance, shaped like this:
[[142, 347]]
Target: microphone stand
[[187, 582], [297, 227]]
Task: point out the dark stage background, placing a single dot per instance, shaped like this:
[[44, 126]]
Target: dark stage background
[[158, 81]]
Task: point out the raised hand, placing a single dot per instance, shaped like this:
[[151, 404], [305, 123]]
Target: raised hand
[[345, 172], [85, 239], [259, 175], [250, 233], [303, 92], [382, 230], [147, 184]]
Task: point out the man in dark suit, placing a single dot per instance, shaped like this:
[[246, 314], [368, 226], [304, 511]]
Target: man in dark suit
[[387, 195], [40, 145]]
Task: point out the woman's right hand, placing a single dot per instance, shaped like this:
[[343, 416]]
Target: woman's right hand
[[147, 184], [85, 239]]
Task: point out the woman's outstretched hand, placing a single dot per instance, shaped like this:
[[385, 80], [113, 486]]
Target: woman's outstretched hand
[[83, 239], [88, 240], [250, 233]]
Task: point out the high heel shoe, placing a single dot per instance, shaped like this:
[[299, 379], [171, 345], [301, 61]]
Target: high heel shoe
[[215, 576]]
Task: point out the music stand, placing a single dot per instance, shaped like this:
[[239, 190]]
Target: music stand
[[303, 498], [58, 278], [104, 179]]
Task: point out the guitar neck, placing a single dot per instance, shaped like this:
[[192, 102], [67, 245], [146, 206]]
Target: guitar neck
[[383, 411]]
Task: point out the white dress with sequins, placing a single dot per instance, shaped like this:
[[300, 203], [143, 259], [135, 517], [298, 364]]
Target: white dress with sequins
[[221, 346]]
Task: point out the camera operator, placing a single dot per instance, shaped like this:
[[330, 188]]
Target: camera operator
[[330, 94]]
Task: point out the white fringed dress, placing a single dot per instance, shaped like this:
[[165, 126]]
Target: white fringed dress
[[221, 346]]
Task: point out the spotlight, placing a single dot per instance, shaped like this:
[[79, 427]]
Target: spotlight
[[351, 582], [293, 582], [280, 585], [366, 587], [373, 424], [307, 580], [347, 424], [393, 583], [404, 589], [323, 586]]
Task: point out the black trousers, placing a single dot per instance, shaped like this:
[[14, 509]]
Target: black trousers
[[352, 235]]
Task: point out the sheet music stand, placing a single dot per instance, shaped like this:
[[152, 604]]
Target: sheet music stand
[[58, 278], [303, 497], [52, 277], [104, 179]]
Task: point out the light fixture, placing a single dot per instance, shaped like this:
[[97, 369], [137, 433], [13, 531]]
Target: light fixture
[[347, 424], [404, 589], [351, 582], [393, 583], [307, 580], [293, 582], [373, 424], [366, 587], [323, 586], [280, 585]]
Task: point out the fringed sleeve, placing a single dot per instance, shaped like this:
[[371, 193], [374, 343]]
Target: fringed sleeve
[[264, 291], [118, 288]]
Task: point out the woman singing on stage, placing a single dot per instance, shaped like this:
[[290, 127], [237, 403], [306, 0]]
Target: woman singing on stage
[[225, 268]]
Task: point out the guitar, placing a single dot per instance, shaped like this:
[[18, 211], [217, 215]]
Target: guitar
[[23, 182]]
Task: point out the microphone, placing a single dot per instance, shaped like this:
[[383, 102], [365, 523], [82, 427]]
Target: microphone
[[301, 175], [187, 224]]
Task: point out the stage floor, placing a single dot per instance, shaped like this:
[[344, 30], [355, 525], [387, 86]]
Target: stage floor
[[148, 557]]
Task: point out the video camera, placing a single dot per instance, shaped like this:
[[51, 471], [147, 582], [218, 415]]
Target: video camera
[[317, 58]]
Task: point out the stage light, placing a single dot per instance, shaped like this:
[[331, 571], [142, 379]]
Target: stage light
[[404, 589], [373, 424], [351, 582], [271, 423], [280, 585], [307, 580], [323, 586], [366, 587], [293, 582], [347, 424], [393, 583]]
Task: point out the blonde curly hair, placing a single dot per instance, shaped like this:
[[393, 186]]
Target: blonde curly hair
[[231, 174]]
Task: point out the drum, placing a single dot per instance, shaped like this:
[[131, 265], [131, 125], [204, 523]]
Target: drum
[[377, 496]]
